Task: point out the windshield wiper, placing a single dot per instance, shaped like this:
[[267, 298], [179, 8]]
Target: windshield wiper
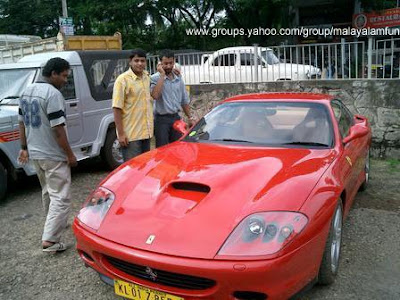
[[233, 140], [307, 144], [9, 97]]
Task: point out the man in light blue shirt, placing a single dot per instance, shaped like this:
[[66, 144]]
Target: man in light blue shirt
[[168, 89]]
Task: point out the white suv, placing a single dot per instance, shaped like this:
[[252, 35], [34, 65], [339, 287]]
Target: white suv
[[88, 93]]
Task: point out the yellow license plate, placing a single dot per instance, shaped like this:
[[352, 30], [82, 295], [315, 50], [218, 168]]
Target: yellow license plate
[[138, 292]]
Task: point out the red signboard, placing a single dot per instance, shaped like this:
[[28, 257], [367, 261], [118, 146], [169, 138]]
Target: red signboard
[[385, 18]]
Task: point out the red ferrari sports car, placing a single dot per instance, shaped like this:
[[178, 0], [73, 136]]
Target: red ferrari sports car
[[248, 204]]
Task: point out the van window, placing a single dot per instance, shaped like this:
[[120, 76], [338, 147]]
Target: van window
[[100, 67], [68, 90], [121, 67]]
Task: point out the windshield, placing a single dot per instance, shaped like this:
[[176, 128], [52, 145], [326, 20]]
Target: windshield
[[288, 124], [269, 57], [13, 82]]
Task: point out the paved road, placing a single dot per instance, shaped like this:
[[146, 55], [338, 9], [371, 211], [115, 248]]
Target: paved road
[[370, 265]]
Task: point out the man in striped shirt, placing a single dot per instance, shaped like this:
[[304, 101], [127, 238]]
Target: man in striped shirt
[[133, 107], [44, 141]]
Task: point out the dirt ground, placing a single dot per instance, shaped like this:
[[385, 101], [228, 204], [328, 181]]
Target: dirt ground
[[370, 262]]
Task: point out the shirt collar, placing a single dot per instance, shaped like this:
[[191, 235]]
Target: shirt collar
[[175, 77], [135, 77]]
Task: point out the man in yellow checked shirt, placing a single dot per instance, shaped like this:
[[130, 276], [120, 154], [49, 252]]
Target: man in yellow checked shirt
[[133, 107]]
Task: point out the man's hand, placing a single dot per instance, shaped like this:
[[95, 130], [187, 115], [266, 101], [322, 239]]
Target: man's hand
[[23, 157], [191, 122], [160, 69], [123, 140], [177, 69], [71, 160]]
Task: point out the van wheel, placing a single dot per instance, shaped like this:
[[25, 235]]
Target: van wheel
[[3, 182], [111, 152], [330, 260]]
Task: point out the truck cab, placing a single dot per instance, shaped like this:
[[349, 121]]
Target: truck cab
[[88, 94]]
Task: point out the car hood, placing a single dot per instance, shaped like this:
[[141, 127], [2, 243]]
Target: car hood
[[190, 196], [7, 111]]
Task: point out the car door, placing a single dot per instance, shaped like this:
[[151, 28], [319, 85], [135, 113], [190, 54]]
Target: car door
[[349, 157], [359, 147], [251, 68], [224, 68], [73, 109]]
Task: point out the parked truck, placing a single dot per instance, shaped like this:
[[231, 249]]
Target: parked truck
[[243, 64], [88, 93], [60, 43]]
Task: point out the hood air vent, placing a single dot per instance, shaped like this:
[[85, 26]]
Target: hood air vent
[[191, 186]]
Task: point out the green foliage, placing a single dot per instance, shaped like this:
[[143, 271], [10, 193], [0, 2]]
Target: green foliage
[[394, 165], [149, 24], [30, 17], [378, 5]]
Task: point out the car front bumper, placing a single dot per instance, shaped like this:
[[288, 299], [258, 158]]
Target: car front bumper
[[277, 278]]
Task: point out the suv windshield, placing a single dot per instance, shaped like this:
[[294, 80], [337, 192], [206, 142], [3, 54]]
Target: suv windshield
[[287, 124], [13, 82]]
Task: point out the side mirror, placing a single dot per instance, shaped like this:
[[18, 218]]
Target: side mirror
[[356, 131], [180, 126]]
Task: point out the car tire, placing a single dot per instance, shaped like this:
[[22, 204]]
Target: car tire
[[367, 169], [330, 260], [3, 181], [111, 152]]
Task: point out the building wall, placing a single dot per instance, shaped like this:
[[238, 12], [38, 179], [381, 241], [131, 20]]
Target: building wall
[[379, 100]]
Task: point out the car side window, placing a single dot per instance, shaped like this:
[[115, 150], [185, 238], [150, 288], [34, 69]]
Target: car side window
[[343, 118], [68, 90], [348, 114], [336, 111], [247, 59], [225, 60]]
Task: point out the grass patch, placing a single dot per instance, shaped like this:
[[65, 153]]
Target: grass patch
[[394, 165]]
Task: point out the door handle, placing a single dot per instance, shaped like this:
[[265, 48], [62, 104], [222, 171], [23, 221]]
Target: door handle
[[73, 104]]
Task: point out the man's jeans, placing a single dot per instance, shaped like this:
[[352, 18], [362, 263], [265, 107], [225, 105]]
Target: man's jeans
[[163, 130], [135, 148]]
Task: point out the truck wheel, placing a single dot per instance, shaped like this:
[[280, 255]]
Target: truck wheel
[[111, 152], [330, 260], [3, 182]]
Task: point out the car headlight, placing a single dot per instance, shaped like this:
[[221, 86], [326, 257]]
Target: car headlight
[[96, 207], [264, 233]]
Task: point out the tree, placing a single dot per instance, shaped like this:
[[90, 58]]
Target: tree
[[29, 17], [149, 24], [377, 5], [264, 14]]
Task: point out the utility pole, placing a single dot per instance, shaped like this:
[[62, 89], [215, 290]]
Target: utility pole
[[64, 8]]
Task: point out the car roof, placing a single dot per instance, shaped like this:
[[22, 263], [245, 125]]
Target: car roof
[[241, 48], [301, 97]]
